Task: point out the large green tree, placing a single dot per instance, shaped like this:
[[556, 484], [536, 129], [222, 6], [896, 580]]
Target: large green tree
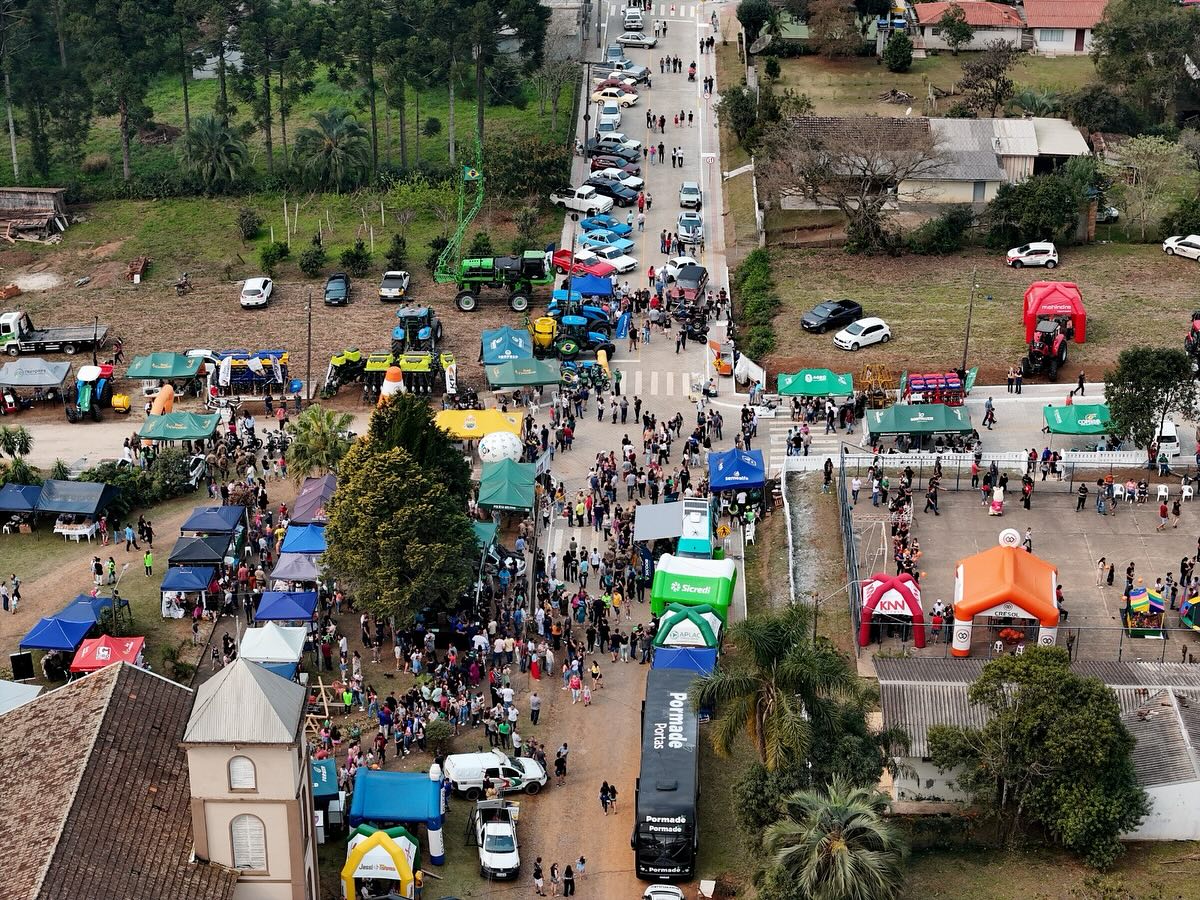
[[487, 22], [753, 15], [835, 844], [1044, 207], [334, 153], [985, 77], [955, 29], [406, 420], [1053, 754], [214, 153], [1163, 177], [1147, 385], [397, 535], [354, 54]]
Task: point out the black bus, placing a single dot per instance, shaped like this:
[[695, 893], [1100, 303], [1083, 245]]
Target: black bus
[[666, 833]]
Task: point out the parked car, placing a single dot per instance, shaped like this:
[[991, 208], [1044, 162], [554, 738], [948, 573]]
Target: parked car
[[692, 280], [690, 228], [633, 182], [615, 151], [1108, 215], [607, 142], [594, 240], [605, 223], [467, 771], [616, 94], [256, 292], [394, 286], [608, 126], [600, 163], [1037, 253], [662, 892], [690, 195], [495, 827], [863, 333], [581, 262], [617, 192], [624, 68], [337, 289], [831, 314], [672, 266], [614, 54], [1186, 246], [609, 114], [622, 82], [616, 258], [637, 39]]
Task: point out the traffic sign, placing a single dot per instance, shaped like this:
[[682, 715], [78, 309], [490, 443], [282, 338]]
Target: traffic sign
[[723, 531]]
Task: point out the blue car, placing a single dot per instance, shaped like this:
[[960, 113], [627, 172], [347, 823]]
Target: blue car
[[606, 223], [596, 240]]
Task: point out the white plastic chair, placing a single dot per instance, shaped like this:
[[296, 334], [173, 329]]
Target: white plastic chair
[[1164, 492], [1118, 492], [1020, 649], [1188, 490], [998, 648]]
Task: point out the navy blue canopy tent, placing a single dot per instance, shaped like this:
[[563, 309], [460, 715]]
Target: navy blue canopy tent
[[188, 578], [592, 285], [200, 551], [701, 660], [213, 520], [86, 609], [736, 469], [77, 498], [304, 539], [286, 606], [52, 633], [21, 498], [312, 500]]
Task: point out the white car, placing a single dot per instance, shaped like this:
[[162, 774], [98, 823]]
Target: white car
[[615, 94], [675, 263], [630, 181], [662, 892], [863, 333], [256, 292], [1036, 253], [610, 113], [1188, 247], [615, 258], [618, 139], [637, 39], [690, 195], [690, 227]]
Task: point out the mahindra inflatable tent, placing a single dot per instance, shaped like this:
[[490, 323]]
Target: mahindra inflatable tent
[[689, 626], [693, 582], [893, 597], [1006, 583], [1051, 299]]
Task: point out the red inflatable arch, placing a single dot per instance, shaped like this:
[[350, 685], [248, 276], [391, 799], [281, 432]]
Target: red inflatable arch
[[1052, 299], [893, 595]]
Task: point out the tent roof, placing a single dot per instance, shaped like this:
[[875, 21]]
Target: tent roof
[[272, 643], [312, 499], [297, 567], [1078, 418], [523, 373], [815, 383], [188, 578], [283, 670], [507, 485], [33, 372], [591, 285], [485, 532], [324, 779], [96, 653], [382, 797], [246, 704], [702, 621], [1003, 575], [53, 633], [19, 497], [201, 551], [701, 660], [472, 424], [658, 520], [14, 694], [81, 498], [164, 365], [736, 468], [304, 539], [286, 606], [213, 520], [86, 608], [179, 426], [505, 344], [919, 418]]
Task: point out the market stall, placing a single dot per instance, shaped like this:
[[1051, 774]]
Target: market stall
[[302, 567], [304, 539], [76, 506], [1078, 418], [206, 520], [20, 502], [183, 586], [736, 470], [273, 643], [155, 369], [918, 423], [286, 606], [472, 424], [42, 381], [312, 500], [523, 373], [1012, 591], [815, 383], [179, 426], [507, 486], [891, 602], [96, 653], [212, 550], [505, 344], [411, 799]]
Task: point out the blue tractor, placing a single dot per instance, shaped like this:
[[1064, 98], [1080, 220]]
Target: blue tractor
[[564, 303], [419, 331]]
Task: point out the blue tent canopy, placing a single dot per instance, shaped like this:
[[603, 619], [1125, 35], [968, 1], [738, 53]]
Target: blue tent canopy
[[591, 285], [701, 660], [188, 578], [19, 497], [395, 798], [736, 469], [53, 633], [213, 520], [288, 671], [281, 606], [86, 609], [505, 344], [304, 539], [77, 498], [324, 779]]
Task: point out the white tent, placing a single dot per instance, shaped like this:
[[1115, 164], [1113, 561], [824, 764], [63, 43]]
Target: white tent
[[14, 694], [273, 644]]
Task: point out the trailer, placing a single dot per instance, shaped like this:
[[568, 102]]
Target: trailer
[[17, 336]]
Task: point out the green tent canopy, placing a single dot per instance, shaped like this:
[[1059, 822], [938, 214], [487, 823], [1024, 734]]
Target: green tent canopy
[[1078, 418], [165, 366], [485, 533], [179, 426], [815, 383], [919, 418], [507, 485], [523, 373]]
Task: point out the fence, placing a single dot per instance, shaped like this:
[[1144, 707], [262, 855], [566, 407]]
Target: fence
[[849, 548]]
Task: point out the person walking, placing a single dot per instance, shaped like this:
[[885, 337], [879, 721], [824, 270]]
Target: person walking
[[568, 881], [539, 879], [1079, 384], [130, 538], [1027, 542], [1101, 567], [1162, 516], [605, 797], [555, 878], [148, 562]]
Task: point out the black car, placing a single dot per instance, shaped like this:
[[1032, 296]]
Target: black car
[[626, 153], [337, 289], [831, 314], [605, 187]]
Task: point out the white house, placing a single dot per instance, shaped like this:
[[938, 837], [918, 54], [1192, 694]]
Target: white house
[[1063, 27], [1160, 705], [991, 22]]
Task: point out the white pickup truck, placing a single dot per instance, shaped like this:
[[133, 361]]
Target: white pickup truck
[[494, 826], [584, 200]]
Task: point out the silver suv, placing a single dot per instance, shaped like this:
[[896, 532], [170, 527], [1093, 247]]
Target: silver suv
[[690, 196]]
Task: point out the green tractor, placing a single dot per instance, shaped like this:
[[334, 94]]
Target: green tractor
[[419, 331], [515, 275]]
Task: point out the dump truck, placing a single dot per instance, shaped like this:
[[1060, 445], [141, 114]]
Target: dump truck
[[17, 336]]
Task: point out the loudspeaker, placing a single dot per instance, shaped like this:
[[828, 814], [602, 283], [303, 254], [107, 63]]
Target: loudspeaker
[[21, 665]]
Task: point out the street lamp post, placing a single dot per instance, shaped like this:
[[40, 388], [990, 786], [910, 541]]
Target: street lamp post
[[308, 373]]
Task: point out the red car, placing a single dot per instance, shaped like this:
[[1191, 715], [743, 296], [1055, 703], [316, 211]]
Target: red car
[[617, 83], [584, 263], [615, 162]]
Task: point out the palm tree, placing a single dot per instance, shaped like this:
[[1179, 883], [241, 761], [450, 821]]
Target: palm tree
[[214, 153], [318, 442], [779, 683], [16, 441], [835, 844], [1038, 103], [334, 153]]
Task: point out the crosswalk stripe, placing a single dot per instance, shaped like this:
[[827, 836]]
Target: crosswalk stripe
[[654, 384], [637, 383]]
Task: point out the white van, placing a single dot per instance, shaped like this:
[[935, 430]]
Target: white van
[[633, 20], [1168, 439], [509, 774]]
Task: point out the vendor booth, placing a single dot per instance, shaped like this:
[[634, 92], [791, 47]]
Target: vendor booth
[[76, 506], [505, 344], [304, 539], [689, 626], [312, 501], [1055, 300], [179, 426], [693, 582], [273, 643], [523, 373], [815, 383], [390, 854], [472, 424], [155, 369], [206, 520], [1078, 418], [891, 603], [918, 420], [89, 610], [53, 633], [41, 379], [183, 586], [1144, 613], [1012, 591], [591, 287], [385, 799], [736, 470], [214, 550], [297, 567], [507, 486], [96, 653], [19, 501], [286, 606]]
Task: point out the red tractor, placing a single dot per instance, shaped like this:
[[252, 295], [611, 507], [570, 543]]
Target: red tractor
[[1048, 349]]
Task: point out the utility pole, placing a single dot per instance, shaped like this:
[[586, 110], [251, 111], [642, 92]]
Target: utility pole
[[970, 312], [95, 338], [308, 372]]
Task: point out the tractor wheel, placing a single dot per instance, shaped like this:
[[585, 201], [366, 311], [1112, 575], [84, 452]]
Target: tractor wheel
[[1053, 371], [610, 349], [466, 301], [519, 301], [1050, 264], [437, 330], [95, 412], [72, 414], [1026, 368]]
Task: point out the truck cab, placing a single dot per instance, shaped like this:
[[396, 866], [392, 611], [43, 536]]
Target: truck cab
[[494, 828], [14, 326]]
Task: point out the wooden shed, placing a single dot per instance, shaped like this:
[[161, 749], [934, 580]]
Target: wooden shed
[[32, 213]]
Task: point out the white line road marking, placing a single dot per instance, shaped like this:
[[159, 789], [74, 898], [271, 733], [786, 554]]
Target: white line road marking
[[654, 384]]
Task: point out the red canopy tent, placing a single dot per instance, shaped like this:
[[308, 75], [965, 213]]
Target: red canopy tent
[[96, 653], [1051, 299], [892, 595]]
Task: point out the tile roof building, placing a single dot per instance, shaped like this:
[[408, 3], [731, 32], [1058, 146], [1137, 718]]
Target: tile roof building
[[990, 21], [1063, 27]]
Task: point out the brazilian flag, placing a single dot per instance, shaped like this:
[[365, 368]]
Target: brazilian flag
[[470, 173]]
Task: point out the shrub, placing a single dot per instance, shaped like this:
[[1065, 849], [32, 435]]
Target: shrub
[[942, 234], [271, 255], [436, 246], [95, 163], [249, 223], [481, 245], [166, 479], [59, 471], [959, 109], [312, 261], [898, 54], [356, 261], [397, 253], [432, 127], [771, 67], [756, 304], [1184, 218], [760, 341]]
